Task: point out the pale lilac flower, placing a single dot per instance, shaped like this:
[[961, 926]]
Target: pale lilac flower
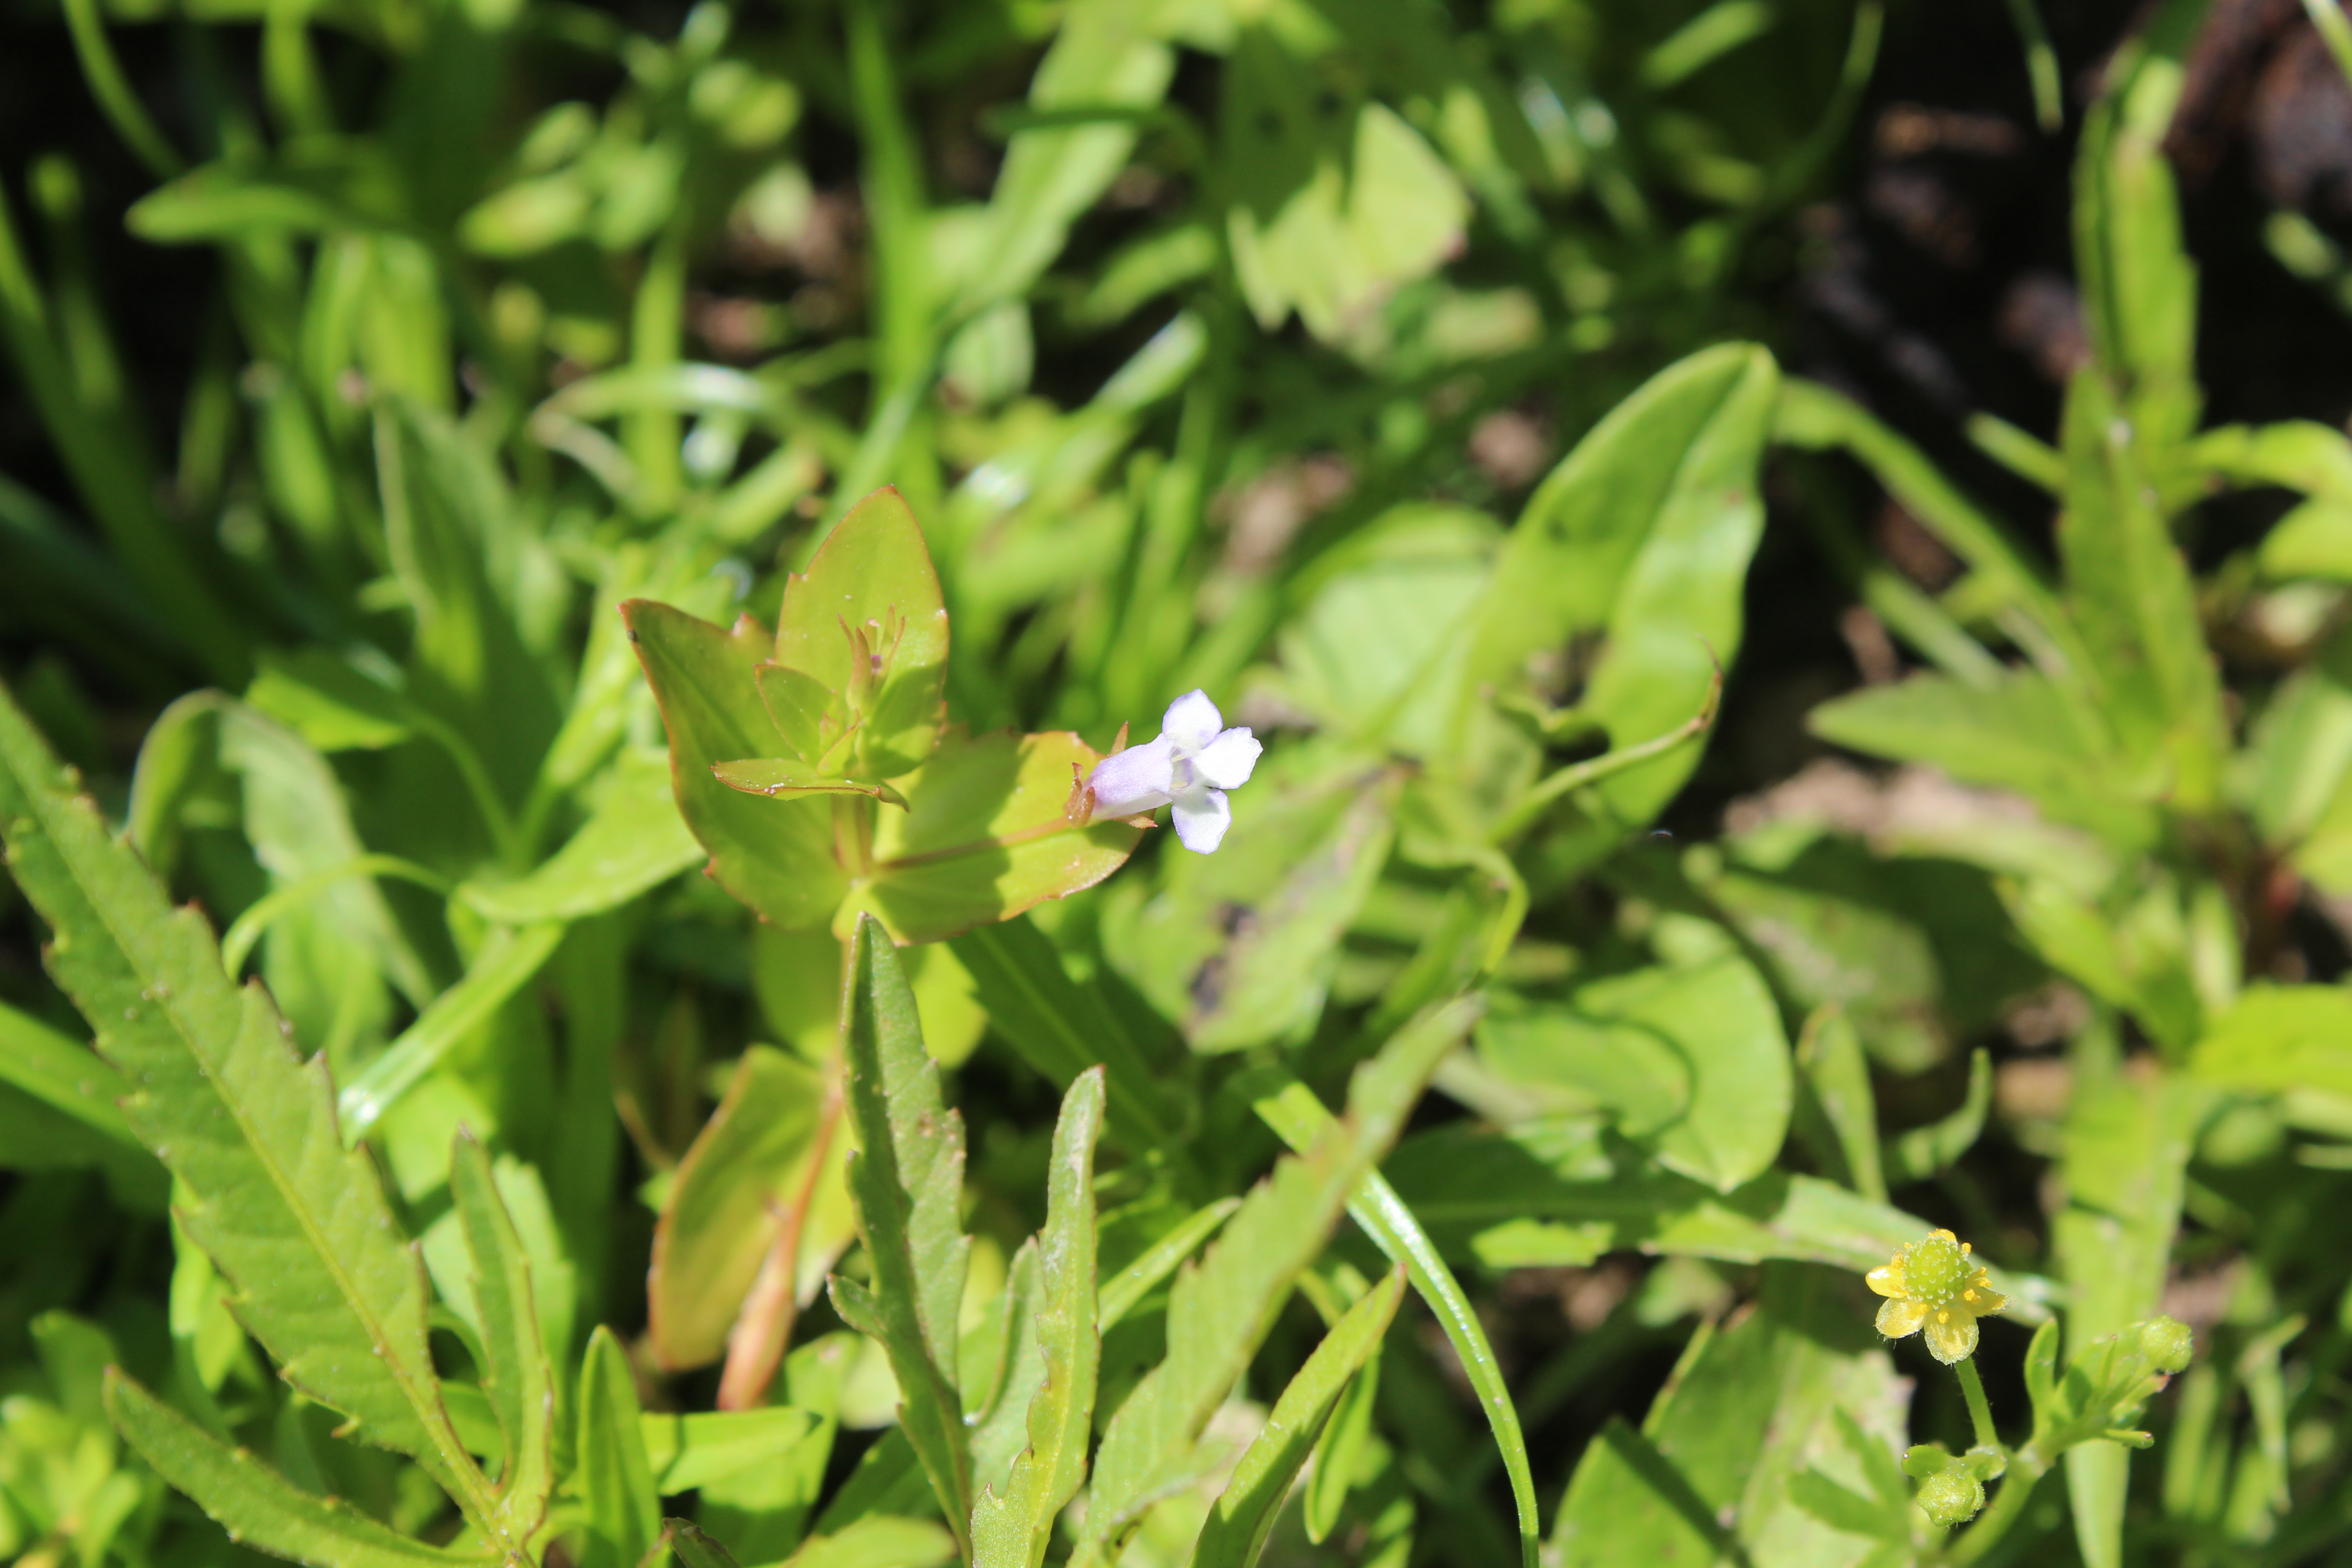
[[1190, 765]]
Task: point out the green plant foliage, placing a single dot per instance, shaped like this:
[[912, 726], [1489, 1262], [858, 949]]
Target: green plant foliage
[[569, 994]]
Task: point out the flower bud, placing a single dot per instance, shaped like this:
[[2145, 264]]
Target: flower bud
[[1951, 1497], [2167, 1343]]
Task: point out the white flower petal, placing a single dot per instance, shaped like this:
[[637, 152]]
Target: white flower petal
[[1136, 779], [1191, 721], [1226, 761], [1202, 817]]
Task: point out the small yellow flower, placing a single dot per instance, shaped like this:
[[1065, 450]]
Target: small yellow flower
[[1934, 1285]]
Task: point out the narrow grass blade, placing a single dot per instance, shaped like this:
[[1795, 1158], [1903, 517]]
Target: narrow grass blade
[[1236, 1531], [518, 1379], [615, 1478]]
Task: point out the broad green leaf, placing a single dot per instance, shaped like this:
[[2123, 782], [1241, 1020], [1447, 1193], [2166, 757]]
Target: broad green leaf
[[2023, 734], [2281, 1037], [255, 1504], [633, 841], [774, 855], [1690, 1061], [296, 1224], [1752, 1408], [687, 1453], [1921, 1152], [907, 1179], [1337, 200], [867, 611], [763, 1152], [878, 1541], [1237, 1527], [1220, 1308], [987, 833], [1062, 1028], [517, 1374], [1057, 1392], [615, 1478]]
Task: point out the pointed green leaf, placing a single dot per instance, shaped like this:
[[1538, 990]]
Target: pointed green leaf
[[775, 855], [1836, 1114], [692, 1548], [296, 1224], [1921, 1152], [254, 1503], [1236, 1528], [517, 1376], [1220, 1310], [1055, 1383], [615, 1477], [873, 578], [1339, 1453], [907, 1179]]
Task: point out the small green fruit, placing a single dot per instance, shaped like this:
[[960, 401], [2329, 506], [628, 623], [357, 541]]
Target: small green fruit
[[1951, 1498]]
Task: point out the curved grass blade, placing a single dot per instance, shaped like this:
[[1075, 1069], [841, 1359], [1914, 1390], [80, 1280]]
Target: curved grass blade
[[1298, 1119], [1220, 1311], [1236, 1531], [298, 1223], [1012, 1530]]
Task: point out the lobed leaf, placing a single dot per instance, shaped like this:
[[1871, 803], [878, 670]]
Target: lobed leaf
[[258, 1506], [907, 1179], [296, 1223], [1011, 1530]]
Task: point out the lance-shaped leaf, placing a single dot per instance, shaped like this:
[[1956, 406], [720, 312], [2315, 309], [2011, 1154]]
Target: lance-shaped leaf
[[692, 1548], [907, 1179], [1220, 1310], [296, 1224], [254, 1503], [1056, 1372], [616, 1476], [867, 625], [775, 855], [516, 1374], [1236, 1530]]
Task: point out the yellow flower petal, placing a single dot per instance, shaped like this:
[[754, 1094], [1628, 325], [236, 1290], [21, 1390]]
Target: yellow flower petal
[[1985, 1301], [1896, 1318], [1888, 1279], [1951, 1337]]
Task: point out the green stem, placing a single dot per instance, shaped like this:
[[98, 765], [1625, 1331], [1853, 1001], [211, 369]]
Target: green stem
[[238, 944], [2041, 67], [1979, 1412], [2016, 1488], [2329, 17]]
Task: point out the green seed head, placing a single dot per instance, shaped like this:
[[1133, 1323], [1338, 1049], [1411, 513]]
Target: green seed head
[[1935, 1269], [2167, 1342], [1951, 1498]]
